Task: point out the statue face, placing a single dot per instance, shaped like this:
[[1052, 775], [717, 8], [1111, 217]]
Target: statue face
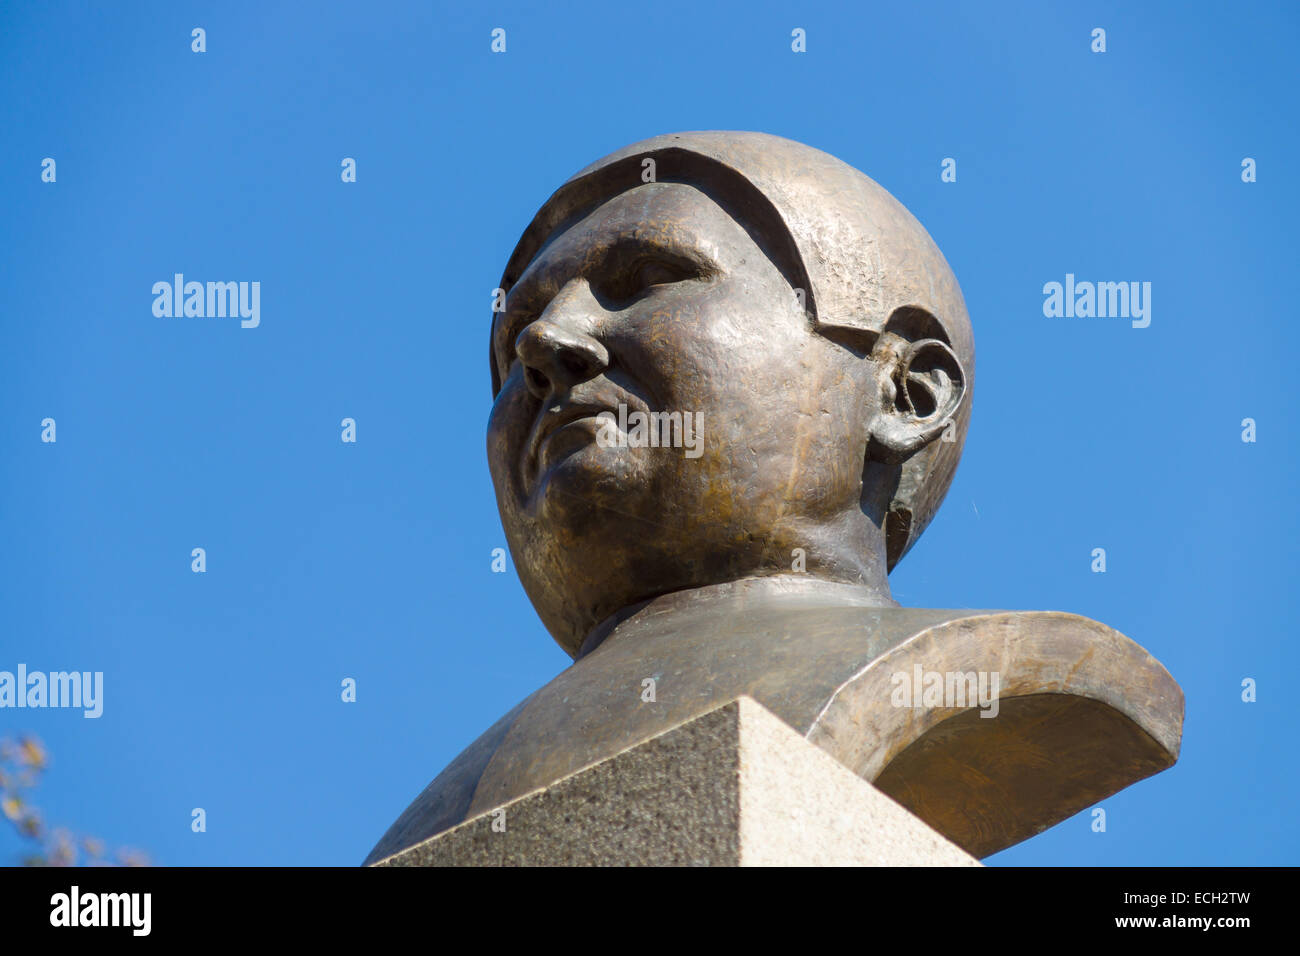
[[660, 302]]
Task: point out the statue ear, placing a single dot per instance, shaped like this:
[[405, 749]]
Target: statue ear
[[921, 385]]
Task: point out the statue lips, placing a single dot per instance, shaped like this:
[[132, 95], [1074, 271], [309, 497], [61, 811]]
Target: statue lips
[[556, 416]]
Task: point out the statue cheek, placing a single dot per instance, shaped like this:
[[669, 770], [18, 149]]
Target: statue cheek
[[514, 408]]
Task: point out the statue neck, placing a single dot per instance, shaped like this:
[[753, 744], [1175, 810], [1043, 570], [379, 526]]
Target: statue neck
[[678, 610]]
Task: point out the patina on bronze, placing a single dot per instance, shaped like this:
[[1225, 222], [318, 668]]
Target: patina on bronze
[[819, 343]]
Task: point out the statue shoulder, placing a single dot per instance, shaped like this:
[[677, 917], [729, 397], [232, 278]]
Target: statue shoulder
[[446, 801]]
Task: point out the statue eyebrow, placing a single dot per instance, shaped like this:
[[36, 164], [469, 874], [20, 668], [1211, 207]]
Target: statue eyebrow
[[620, 251]]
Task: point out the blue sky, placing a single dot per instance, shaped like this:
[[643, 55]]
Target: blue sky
[[371, 560]]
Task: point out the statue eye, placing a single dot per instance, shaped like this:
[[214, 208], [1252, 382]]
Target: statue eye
[[644, 276], [652, 273]]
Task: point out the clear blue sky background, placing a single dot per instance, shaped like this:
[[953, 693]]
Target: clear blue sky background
[[371, 561]]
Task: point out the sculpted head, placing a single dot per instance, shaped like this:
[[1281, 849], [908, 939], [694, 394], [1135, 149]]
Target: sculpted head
[[796, 346]]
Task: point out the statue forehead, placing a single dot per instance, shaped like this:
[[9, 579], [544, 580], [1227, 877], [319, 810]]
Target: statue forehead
[[670, 215]]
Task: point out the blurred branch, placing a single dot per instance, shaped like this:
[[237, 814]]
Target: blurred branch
[[22, 762]]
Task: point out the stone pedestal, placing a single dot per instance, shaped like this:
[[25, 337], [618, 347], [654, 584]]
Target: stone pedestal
[[732, 787]]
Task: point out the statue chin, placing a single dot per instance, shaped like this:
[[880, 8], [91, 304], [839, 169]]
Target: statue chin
[[578, 474]]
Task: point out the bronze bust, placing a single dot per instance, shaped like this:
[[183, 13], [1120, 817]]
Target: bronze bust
[[732, 380]]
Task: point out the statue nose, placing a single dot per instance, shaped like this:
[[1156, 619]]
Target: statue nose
[[556, 359], [557, 356]]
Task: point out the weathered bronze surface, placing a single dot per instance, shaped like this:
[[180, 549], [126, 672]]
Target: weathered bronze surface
[[815, 348]]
